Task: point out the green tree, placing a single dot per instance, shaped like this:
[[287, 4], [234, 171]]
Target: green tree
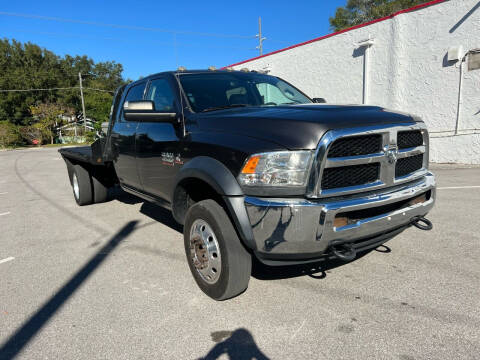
[[357, 12], [9, 134], [48, 118], [28, 66]]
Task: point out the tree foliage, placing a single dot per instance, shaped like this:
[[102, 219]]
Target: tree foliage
[[9, 134], [28, 66], [48, 116], [357, 12]]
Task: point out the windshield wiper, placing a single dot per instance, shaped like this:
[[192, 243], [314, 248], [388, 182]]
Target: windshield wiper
[[294, 102], [224, 107]]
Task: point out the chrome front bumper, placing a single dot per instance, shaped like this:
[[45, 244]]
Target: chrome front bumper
[[303, 229]]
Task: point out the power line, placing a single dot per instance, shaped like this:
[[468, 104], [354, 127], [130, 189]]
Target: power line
[[88, 88], [164, 43], [22, 90], [39, 77], [57, 88], [129, 27], [281, 41], [46, 74]]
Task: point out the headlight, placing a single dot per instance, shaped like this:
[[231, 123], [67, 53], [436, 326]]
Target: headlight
[[283, 168]]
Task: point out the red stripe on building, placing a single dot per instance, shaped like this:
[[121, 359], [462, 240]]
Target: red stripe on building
[[417, 7]]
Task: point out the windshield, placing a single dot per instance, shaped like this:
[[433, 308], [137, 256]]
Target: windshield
[[214, 91]]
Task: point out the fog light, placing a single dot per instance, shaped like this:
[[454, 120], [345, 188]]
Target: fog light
[[340, 221], [418, 200]]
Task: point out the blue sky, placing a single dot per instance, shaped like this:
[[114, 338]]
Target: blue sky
[[145, 52]]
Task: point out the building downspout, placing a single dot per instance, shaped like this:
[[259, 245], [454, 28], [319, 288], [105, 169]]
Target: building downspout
[[459, 103], [365, 44]]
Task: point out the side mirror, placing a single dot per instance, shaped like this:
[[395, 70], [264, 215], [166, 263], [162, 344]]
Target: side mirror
[[105, 127], [145, 111], [319, 100]]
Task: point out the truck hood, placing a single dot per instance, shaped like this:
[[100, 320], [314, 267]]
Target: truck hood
[[296, 126]]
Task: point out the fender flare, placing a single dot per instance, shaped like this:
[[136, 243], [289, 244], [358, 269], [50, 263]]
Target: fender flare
[[221, 179], [213, 172]]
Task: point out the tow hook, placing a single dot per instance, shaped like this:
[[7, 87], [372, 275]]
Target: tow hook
[[421, 223], [343, 251]]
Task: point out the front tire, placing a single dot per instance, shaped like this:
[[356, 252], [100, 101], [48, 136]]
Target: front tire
[[219, 262]]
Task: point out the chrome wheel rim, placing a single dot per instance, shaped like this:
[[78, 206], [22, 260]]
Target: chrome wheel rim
[[205, 252], [76, 189]]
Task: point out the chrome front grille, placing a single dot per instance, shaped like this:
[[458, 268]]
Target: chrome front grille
[[408, 165], [409, 139], [356, 145], [350, 175], [363, 159]]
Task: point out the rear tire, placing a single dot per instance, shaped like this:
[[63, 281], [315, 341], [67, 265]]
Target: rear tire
[[82, 185], [100, 191], [219, 262]]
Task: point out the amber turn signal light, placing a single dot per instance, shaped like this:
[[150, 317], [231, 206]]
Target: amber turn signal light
[[251, 165]]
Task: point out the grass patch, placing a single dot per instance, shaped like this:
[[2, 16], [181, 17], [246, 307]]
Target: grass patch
[[24, 147], [69, 144]]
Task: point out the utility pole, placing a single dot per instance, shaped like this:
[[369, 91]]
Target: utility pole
[[260, 38], [83, 102]]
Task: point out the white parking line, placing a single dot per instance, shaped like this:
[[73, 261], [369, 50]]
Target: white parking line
[[458, 187], [7, 259], [3, 193], [5, 213]]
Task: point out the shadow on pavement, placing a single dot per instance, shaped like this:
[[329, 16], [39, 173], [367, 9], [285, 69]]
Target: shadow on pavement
[[161, 215], [238, 345], [151, 210], [316, 270], [116, 193], [34, 324]]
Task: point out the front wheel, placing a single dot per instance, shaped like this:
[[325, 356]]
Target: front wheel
[[217, 259]]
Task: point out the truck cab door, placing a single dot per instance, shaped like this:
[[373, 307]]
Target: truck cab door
[[158, 158], [123, 141]]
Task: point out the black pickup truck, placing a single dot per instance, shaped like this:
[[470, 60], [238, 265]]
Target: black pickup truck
[[253, 167]]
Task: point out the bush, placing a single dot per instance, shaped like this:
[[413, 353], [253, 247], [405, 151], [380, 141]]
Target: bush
[[31, 135], [90, 136], [9, 134]]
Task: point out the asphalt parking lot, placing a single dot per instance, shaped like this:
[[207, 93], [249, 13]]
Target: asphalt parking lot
[[110, 281]]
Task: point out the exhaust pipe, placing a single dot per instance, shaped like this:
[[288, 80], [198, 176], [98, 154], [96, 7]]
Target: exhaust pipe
[[343, 251], [421, 223]]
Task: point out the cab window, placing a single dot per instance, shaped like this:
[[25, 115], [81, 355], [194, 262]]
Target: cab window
[[273, 95], [161, 94]]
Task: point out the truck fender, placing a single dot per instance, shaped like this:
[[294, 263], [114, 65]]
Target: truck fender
[[213, 172], [220, 179]]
